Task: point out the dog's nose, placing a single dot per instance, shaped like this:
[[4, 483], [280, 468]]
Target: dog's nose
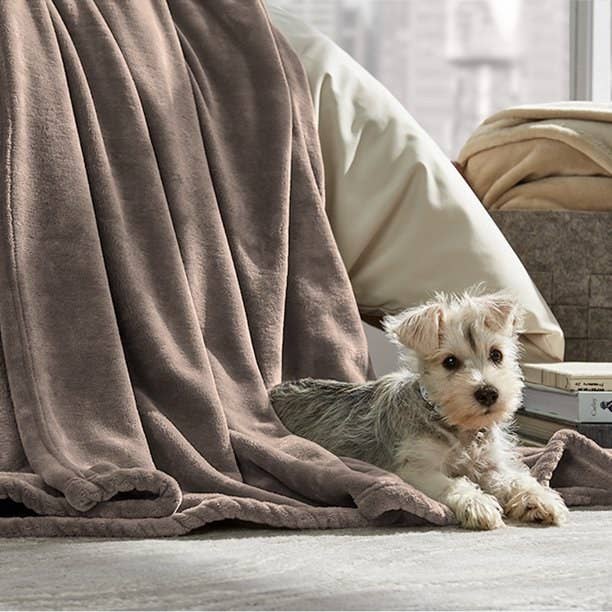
[[486, 395]]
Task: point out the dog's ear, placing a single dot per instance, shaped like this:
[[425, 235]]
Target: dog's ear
[[502, 312], [417, 328]]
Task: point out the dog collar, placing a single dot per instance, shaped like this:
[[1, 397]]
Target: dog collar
[[425, 396]]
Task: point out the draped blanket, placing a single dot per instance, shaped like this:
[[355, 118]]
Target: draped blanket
[[165, 258], [554, 156]]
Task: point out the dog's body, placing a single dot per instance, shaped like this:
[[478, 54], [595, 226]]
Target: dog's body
[[445, 425]]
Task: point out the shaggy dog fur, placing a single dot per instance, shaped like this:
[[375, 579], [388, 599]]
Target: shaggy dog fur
[[443, 421]]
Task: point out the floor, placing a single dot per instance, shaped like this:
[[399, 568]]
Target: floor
[[226, 568]]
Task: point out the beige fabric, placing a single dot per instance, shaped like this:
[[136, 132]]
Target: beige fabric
[[543, 157], [405, 221]]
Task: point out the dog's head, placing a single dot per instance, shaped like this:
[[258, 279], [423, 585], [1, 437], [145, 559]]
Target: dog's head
[[467, 354]]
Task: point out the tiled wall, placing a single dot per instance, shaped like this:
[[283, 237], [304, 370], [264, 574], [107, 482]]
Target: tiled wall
[[569, 257]]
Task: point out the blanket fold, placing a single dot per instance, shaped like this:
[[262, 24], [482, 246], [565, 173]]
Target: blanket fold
[[165, 258], [555, 156]]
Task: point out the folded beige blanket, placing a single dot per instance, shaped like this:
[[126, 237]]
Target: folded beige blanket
[[543, 157]]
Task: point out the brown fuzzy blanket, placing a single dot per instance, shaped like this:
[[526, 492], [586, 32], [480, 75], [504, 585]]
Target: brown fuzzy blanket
[[165, 258]]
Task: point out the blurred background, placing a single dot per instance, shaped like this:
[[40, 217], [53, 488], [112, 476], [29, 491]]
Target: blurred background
[[452, 63]]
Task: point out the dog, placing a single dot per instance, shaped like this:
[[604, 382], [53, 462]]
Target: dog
[[443, 421]]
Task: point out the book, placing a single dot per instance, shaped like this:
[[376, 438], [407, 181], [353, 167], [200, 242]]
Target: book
[[571, 375], [527, 440], [532, 429], [573, 406]]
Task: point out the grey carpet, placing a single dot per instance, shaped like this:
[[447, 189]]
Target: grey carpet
[[248, 568]]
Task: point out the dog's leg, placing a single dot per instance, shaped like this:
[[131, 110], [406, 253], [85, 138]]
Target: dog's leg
[[473, 508], [523, 497]]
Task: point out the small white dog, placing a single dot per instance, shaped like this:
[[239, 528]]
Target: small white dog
[[443, 426]]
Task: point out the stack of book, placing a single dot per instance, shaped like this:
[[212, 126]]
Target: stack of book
[[569, 395]]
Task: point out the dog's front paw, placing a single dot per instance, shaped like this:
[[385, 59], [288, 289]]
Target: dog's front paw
[[478, 511], [538, 505]]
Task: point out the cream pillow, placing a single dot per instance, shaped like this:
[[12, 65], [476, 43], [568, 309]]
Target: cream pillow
[[405, 221]]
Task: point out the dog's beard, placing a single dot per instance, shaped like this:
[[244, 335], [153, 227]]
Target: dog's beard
[[459, 408], [470, 415]]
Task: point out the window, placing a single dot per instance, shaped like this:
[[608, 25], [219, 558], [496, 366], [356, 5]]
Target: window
[[591, 50], [451, 63]]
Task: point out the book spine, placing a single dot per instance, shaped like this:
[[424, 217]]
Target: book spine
[[579, 384], [551, 379], [532, 375], [529, 441], [601, 434], [594, 407], [568, 382], [532, 428]]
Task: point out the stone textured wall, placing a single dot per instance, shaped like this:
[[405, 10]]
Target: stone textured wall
[[569, 257]]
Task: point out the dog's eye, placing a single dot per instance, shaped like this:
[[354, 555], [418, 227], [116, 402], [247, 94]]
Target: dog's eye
[[496, 355], [451, 363]]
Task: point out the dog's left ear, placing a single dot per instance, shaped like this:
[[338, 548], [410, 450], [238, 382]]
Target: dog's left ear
[[502, 312]]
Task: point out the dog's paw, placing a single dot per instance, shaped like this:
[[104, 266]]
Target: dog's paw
[[537, 505], [478, 511]]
